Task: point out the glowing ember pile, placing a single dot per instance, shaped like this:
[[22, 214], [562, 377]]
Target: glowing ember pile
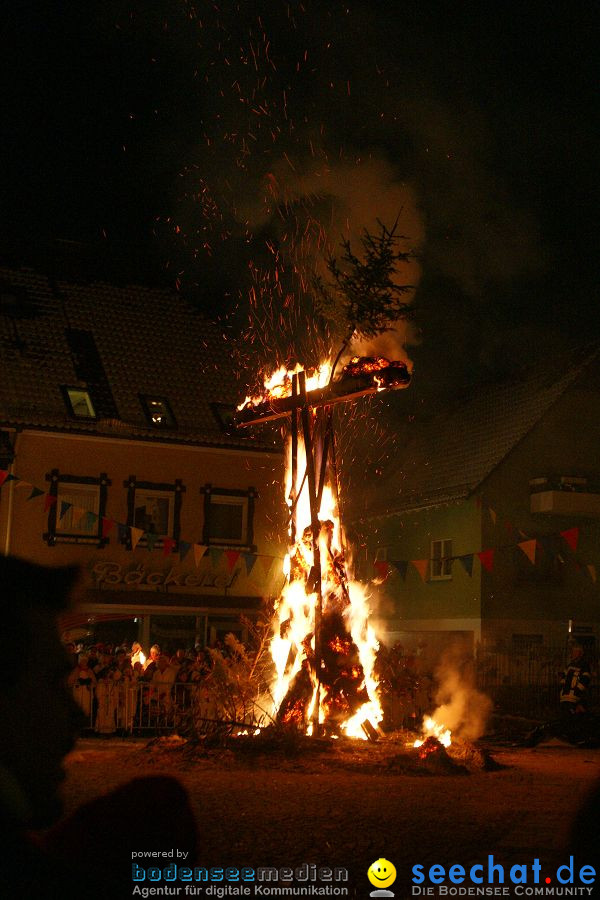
[[385, 373], [346, 687], [434, 730]]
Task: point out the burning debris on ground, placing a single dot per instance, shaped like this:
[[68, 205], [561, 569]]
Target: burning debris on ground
[[288, 747]]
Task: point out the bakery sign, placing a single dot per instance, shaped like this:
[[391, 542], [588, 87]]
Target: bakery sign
[[112, 574]]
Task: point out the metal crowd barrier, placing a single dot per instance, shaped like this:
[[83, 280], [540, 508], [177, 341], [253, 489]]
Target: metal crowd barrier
[[129, 707]]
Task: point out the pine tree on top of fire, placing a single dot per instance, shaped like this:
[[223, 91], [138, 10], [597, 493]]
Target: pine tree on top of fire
[[364, 298]]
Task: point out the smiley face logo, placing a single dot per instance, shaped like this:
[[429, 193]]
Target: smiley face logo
[[382, 873]]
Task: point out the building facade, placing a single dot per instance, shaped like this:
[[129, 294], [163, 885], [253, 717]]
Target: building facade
[[485, 533], [118, 457]]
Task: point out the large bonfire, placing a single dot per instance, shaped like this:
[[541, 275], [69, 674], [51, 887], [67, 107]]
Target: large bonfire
[[324, 679]]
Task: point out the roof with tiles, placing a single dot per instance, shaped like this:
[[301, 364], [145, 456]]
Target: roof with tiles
[[149, 342], [448, 457]]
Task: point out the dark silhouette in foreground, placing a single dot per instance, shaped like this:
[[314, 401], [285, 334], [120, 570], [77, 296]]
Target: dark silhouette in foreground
[[89, 854]]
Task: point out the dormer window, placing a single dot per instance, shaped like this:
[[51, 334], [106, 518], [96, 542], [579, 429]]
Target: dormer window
[[79, 403], [158, 412]]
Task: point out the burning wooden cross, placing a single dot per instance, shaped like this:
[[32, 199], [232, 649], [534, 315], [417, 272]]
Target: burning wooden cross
[[311, 414]]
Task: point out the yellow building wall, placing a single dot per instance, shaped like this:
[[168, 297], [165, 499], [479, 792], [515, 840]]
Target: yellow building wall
[[23, 522]]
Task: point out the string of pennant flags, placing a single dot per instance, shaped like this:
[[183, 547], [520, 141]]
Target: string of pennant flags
[[487, 558], [130, 535]]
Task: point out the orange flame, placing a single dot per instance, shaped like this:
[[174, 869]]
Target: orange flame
[[431, 728], [279, 384], [293, 643]]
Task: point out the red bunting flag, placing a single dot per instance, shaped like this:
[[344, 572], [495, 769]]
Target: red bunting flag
[[571, 536], [107, 526], [168, 545], [382, 569], [3, 476], [232, 558], [421, 567], [49, 501], [529, 548], [486, 558]]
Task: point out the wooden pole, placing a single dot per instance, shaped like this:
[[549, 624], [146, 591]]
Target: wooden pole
[[316, 575], [294, 487]]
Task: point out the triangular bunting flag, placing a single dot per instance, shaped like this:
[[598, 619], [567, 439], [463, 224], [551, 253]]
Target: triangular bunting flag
[[492, 513], [592, 572], [529, 548], [168, 545], [49, 501], [64, 507], [89, 520], [486, 557], [151, 539], [107, 526], [215, 556], [11, 477], [3, 476], [184, 549], [402, 567], [571, 536], [232, 558], [266, 562], [467, 563], [136, 536], [421, 567], [199, 551], [250, 560], [23, 484], [35, 493], [382, 569]]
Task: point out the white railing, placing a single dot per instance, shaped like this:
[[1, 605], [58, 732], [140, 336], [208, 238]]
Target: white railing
[[127, 707]]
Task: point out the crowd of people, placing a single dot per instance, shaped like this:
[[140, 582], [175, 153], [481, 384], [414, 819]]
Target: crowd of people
[[118, 688]]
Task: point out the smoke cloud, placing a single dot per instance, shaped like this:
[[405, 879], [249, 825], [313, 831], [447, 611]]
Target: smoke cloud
[[461, 707]]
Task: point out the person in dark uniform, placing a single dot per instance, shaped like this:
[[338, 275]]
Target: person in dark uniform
[[574, 684]]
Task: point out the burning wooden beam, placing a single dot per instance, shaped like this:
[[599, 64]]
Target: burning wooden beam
[[361, 377]]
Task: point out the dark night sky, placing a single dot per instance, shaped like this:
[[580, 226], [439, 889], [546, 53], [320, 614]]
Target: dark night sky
[[147, 132]]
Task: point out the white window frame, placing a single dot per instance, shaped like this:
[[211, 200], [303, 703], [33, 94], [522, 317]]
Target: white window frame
[[442, 560], [83, 398]]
